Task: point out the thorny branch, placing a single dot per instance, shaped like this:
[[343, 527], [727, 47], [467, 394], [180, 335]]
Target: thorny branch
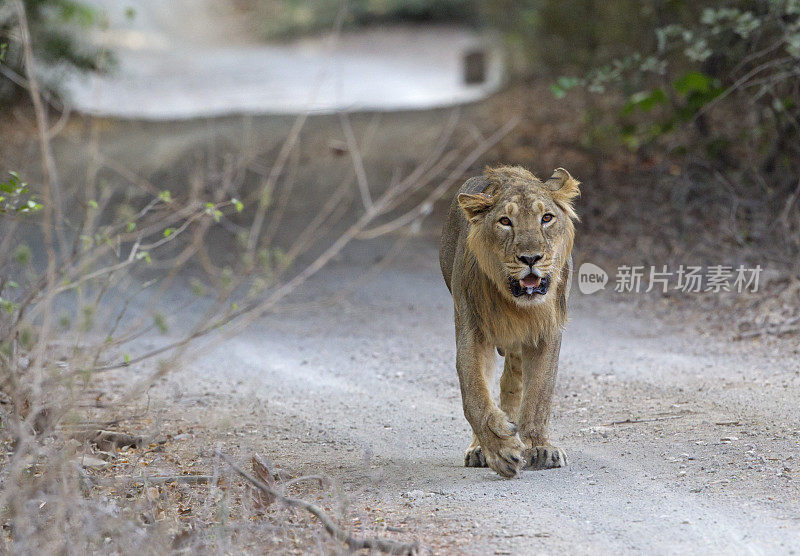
[[387, 546]]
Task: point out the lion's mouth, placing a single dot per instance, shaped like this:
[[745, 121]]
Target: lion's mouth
[[529, 286]]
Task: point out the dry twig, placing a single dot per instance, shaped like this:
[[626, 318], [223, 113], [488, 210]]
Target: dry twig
[[635, 421], [387, 546]]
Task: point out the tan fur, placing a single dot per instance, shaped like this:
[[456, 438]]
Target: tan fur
[[480, 258]]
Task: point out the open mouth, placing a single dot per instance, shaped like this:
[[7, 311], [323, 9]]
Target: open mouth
[[529, 286]]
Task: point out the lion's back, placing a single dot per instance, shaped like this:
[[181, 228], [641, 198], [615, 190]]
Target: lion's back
[[453, 227]]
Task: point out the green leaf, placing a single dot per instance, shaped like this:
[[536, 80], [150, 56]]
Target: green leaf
[[93, 204], [144, 255], [198, 288], [694, 81], [126, 358], [7, 306], [160, 322], [645, 101], [238, 204], [23, 254], [71, 10], [131, 226], [563, 84], [557, 91], [165, 196], [213, 211], [169, 231]]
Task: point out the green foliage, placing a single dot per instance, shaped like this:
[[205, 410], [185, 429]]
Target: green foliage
[[645, 100], [15, 198], [574, 35], [160, 322], [57, 29], [22, 254], [213, 211], [88, 314], [7, 306], [290, 18], [740, 59], [198, 288]]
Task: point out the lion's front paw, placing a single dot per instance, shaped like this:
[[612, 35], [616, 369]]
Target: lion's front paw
[[545, 457], [474, 457], [499, 447]]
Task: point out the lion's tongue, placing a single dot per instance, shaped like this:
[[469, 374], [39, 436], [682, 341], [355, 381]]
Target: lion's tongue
[[530, 281]]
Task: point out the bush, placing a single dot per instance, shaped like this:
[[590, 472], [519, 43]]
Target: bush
[[289, 18], [719, 96], [56, 27]]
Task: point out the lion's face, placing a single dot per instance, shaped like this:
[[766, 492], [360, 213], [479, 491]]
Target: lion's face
[[521, 231]]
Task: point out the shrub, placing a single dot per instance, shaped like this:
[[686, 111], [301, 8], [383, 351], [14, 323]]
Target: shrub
[[56, 27]]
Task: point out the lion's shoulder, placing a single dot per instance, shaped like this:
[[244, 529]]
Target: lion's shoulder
[[455, 224]]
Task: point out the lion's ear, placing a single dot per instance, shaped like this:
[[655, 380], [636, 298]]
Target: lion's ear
[[563, 183], [565, 188], [475, 205]]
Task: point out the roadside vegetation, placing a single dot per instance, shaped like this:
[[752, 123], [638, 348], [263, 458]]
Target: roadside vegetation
[[89, 268], [679, 116], [57, 29]]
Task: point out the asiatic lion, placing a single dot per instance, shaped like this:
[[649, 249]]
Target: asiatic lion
[[506, 258]]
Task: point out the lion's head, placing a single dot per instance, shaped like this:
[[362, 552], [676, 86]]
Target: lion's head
[[521, 230]]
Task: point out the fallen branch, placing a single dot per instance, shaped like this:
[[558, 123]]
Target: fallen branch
[[264, 474], [384, 545], [143, 479], [160, 480], [634, 421], [109, 439], [318, 478]]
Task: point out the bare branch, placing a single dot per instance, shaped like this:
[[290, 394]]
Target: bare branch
[[387, 546], [358, 163]]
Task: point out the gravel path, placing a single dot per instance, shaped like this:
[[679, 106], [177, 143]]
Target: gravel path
[[189, 59], [676, 443]]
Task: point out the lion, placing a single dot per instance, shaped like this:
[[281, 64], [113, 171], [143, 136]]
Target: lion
[[506, 257]]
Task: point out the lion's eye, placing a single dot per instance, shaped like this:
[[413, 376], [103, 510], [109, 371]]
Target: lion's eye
[[505, 221], [547, 218]]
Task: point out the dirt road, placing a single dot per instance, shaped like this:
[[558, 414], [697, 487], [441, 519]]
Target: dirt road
[[676, 442], [195, 59]]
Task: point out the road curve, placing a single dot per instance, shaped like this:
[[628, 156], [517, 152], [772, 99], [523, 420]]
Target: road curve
[[196, 60]]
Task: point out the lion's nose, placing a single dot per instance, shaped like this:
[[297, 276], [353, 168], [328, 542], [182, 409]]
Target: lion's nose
[[530, 260]]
